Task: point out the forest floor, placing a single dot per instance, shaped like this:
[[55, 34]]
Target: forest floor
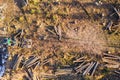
[[61, 32]]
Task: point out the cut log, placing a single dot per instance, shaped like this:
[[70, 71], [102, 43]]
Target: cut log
[[112, 65], [82, 68], [110, 61], [97, 63], [80, 65]]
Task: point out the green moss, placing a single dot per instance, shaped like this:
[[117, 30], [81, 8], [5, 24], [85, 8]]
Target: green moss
[[105, 71], [114, 40], [88, 77], [21, 19], [32, 11], [67, 59]]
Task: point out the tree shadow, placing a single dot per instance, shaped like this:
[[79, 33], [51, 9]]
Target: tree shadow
[[3, 58]]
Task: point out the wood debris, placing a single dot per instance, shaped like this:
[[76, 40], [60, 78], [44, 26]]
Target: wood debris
[[116, 11], [109, 25], [80, 59], [16, 61], [95, 66], [31, 62], [58, 31], [48, 76], [117, 72], [63, 71], [29, 73], [86, 67], [111, 61]]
